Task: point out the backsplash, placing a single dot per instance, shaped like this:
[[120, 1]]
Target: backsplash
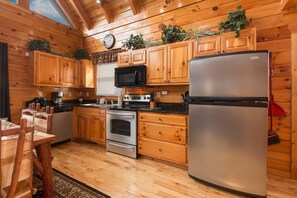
[[173, 92]]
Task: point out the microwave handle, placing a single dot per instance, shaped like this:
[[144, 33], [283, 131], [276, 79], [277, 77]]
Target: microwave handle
[[136, 78]]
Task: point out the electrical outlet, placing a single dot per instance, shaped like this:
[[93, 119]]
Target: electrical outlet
[[158, 95], [164, 92]]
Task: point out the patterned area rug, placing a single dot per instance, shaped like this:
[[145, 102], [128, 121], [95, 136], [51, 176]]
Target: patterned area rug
[[66, 186]]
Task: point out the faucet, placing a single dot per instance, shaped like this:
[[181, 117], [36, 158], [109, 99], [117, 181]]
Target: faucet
[[111, 102]]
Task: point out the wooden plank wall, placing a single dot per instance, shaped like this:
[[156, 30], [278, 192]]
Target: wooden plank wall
[[272, 34], [17, 27]]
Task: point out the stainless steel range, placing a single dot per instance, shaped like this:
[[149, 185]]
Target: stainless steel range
[[121, 125]]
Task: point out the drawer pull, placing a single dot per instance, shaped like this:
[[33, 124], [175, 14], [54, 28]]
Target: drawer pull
[[160, 150], [160, 119], [160, 132]]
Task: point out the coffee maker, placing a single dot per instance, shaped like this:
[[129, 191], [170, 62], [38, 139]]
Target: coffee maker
[[57, 97]]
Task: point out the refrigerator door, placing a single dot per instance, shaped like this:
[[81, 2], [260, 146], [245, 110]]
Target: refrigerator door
[[230, 75], [228, 146]]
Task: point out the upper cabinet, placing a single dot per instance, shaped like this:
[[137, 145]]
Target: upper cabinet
[[246, 41], [46, 68], [68, 72], [52, 70], [130, 58], [225, 43], [168, 64], [156, 65], [87, 74]]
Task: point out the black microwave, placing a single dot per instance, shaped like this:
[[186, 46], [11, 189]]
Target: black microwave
[[134, 76]]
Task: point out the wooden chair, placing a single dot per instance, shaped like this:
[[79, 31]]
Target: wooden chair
[[42, 118], [16, 160], [43, 122]]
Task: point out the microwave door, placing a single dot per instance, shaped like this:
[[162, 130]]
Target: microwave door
[[126, 79]]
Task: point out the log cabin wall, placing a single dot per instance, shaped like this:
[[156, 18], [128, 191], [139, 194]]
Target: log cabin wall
[[272, 34], [17, 27]]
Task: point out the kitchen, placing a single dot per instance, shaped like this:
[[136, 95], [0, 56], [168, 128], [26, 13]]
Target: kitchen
[[272, 28]]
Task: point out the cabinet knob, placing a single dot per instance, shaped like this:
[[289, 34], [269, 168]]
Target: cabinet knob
[[160, 132], [143, 134], [160, 119], [223, 51], [219, 52], [160, 150]]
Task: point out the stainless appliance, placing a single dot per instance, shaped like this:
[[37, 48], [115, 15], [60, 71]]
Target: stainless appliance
[[57, 97], [228, 121], [62, 123], [121, 125], [134, 76]]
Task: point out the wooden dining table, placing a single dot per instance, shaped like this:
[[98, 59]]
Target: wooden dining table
[[42, 161]]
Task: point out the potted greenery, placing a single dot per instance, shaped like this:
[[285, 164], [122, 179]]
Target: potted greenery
[[134, 42], [172, 33], [39, 44], [81, 54], [236, 21]]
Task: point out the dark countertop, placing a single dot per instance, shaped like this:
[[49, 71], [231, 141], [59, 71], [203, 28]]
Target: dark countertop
[[175, 108]]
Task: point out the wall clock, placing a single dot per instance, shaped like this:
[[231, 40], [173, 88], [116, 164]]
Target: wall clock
[[109, 41]]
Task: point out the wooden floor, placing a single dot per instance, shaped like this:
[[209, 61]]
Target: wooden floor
[[120, 176]]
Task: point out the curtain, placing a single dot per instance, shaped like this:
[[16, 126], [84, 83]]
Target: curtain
[[4, 83], [106, 56]]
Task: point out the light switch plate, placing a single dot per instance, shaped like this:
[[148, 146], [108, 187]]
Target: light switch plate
[[164, 92]]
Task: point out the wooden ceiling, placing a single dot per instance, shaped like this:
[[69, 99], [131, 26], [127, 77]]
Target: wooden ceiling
[[89, 13]]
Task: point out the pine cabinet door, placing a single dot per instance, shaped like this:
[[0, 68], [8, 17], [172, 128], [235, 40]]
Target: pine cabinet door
[[46, 69], [102, 132], [178, 62], [87, 74], [82, 126], [124, 59], [246, 41], [138, 57], [94, 126], [157, 65], [68, 72], [207, 45]]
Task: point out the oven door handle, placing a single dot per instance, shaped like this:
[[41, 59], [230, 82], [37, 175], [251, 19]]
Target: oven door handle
[[121, 115], [119, 145]]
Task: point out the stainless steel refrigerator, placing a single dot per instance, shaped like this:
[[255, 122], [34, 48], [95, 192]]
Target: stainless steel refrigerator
[[228, 118]]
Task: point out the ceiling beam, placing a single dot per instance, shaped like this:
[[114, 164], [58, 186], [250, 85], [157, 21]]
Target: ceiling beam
[[24, 3], [70, 15], [82, 13], [106, 11], [135, 6], [288, 4]]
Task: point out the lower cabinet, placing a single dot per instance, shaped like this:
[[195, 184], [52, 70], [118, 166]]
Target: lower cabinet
[[89, 124], [163, 136]]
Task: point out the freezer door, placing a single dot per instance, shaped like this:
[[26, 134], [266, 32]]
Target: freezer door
[[234, 75], [228, 146]]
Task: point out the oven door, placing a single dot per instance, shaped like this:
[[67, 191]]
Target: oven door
[[121, 126]]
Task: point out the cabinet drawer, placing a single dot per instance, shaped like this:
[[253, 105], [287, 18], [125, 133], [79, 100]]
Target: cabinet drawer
[[163, 118], [174, 134], [90, 111], [163, 150]]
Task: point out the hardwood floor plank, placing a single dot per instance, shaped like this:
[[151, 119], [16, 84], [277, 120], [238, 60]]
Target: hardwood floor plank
[[120, 176]]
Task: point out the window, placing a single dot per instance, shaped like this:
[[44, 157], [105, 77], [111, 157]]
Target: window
[[50, 9], [105, 80], [13, 1]]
